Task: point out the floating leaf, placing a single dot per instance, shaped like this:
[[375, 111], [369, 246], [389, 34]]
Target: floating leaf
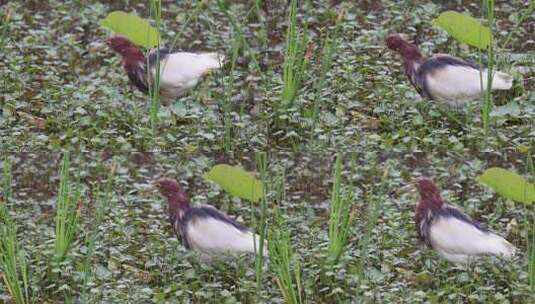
[[236, 181], [509, 185], [464, 28], [136, 29]]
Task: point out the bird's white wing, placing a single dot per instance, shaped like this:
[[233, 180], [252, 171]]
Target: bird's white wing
[[462, 82], [211, 235], [183, 70], [452, 236]]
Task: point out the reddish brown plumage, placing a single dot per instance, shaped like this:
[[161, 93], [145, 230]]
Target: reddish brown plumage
[[430, 200], [204, 228], [175, 194], [409, 52], [451, 232], [444, 78], [127, 49], [429, 194]]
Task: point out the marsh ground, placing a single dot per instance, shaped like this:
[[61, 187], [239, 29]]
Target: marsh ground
[[63, 89]]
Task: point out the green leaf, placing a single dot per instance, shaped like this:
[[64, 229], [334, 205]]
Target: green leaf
[[464, 28], [236, 181], [136, 29], [509, 185]]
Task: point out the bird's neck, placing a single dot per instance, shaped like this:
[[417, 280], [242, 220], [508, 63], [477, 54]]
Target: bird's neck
[[135, 68], [177, 206], [412, 64], [135, 65], [412, 58], [430, 201]]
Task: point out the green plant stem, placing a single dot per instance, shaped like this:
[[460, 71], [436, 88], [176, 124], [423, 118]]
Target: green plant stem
[[262, 163], [154, 86], [528, 13], [13, 262], [329, 48], [229, 86], [295, 60], [282, 259], [67, 212], [487, 105], [531, 257], [340, 216], [374, 207], [102, 204]]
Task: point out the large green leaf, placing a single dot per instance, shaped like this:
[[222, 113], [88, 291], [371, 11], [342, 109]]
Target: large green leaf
[[236, 181], [134, 28], [509, 185], [464, 28]]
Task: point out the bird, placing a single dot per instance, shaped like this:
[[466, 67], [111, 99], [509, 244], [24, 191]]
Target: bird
[[179, 71], [443, 78], [452, 233], [204, 229]]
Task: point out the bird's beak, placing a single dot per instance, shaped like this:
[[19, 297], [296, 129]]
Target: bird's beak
[[408, 188]]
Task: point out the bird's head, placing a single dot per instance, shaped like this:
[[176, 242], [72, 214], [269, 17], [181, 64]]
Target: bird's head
[[394, 42], [429, 193], [406, 50], [124, 47], [172, 190]]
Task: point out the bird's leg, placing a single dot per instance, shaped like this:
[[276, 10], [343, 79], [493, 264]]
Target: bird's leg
[[451, 116]]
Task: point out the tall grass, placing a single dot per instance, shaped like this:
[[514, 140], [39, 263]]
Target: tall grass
[[330, 45], [375, 198], [228, 87], [284, 263], [237, 30], [340, 216], [531, 258], [295, 60], [239, 42], [262, 165], [103, 199], [4, 29], [154, 86], [528, 12], [67, 211], [13, 263], [487, 103]]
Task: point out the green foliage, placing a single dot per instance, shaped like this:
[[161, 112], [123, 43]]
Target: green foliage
[[509, 184], [375, 199], [486, 107], [284, 262], [531, 244], [237, 182], [295, 59], [13, 263], [7, 180], [102, 204], [154, 87], [4, 29], [464, 28], [67, 211], [340, 215], [262, 165], [327, 56], [136, 29]]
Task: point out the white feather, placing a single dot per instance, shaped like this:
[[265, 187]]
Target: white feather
[[458, 240], [182, 70], [455, 83], [209, 235]]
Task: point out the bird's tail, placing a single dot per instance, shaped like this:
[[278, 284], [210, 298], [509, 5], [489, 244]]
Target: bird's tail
[[218, 59], [502, 247], [257, 246], [502, 81]]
